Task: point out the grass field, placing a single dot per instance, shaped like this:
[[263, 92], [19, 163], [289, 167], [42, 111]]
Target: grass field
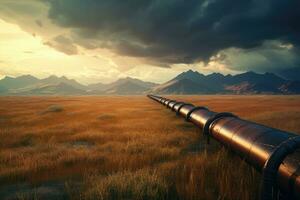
[[126, 148]]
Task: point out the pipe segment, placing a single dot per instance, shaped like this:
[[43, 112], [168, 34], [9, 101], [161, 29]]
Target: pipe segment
[[273, 152]]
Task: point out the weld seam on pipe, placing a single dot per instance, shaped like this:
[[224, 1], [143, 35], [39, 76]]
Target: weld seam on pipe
[[206, 128], [184, 104], [194, 109], [176, 104], [170, 102]]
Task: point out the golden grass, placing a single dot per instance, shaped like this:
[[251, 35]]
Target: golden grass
[[129, 147], [139, 185]]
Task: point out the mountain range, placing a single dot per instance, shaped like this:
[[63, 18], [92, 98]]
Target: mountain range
[[53, 85], [189, 82], [192, 82]]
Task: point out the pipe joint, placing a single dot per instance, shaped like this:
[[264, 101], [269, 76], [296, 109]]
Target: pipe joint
[[172, 101], [206, 131], [188, 115], [273, 152], [179, 102], [184, 104], [269, 186]]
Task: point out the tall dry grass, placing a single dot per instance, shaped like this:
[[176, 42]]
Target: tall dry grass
[[128, 147]]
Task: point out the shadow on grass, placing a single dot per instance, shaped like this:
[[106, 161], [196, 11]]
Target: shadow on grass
[[51, 190], [53, 109]]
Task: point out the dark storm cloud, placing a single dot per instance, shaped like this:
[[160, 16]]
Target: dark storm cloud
[[272, 56], [179, 31]]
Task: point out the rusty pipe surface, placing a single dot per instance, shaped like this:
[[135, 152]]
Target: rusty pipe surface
[[254, 142]]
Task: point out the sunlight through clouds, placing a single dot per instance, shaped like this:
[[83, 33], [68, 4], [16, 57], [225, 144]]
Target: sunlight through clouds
[[100, 41], [23, 53]]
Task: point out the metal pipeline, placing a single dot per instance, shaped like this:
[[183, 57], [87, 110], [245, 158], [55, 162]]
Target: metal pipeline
[[275, 153]]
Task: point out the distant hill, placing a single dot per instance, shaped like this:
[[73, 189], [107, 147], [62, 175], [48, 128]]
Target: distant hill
[[29, 85], [292, 74], [97, 87], [54, 80], [181, 86], [291, 87], [189, 82], [127, 88], [50, 89], [192, 82], [53, 85], [124, 86], [10, 83]]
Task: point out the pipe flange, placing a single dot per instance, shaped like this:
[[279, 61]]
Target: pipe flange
[[176, 104], [165, 101], [168, 102], [206, 126], [185, 104], [188, 115], [271, 166], [171, 102]]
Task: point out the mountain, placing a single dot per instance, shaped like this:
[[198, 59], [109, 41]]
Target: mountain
[[251, 82], [54, 80], [190, 75], [133, 81], [50, 89], [291, 87], [292, 74], [183, 81], [53, 85], [192, 82], [125, 86], [8, 83], [181, 86], [128, 86], [29, 85], [97, 87], [189, 82]]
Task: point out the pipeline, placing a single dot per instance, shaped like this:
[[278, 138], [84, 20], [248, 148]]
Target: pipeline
[[274, 153]]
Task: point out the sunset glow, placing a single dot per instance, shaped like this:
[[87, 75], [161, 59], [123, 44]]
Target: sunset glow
[[37, 38]]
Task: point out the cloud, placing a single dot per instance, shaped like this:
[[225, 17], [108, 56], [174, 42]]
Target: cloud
[[31, 16], [240, 35], [271, 56], [63, 44], [39, 23], [177, 31]]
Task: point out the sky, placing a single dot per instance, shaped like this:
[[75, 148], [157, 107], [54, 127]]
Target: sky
[[153, 40]]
